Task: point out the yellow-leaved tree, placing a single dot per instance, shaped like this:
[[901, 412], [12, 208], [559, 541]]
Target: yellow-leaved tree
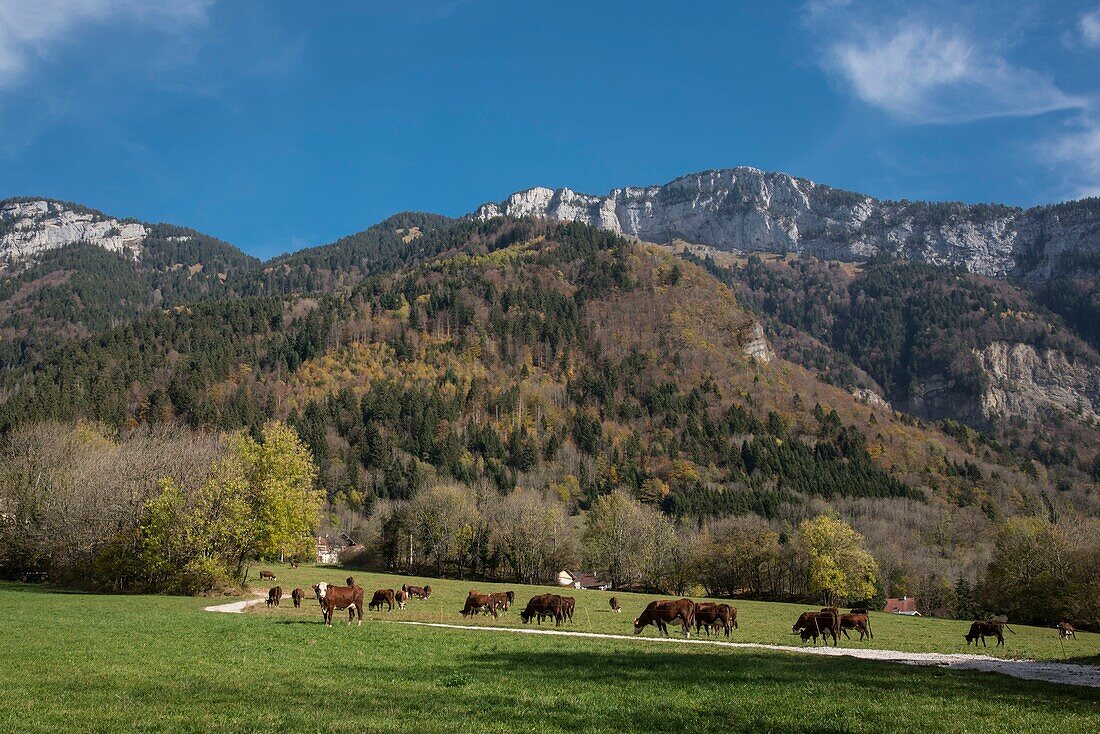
[[840, 567], [257, 501], [280, 474]]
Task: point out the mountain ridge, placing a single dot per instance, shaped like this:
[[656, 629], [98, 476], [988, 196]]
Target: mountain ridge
[[746, 209]]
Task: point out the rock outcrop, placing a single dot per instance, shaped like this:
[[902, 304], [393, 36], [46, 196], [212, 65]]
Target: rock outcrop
[[746, 210], [30, 227]]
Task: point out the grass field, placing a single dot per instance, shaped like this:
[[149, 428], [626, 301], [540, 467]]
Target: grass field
[[764, 622], [109, 663]]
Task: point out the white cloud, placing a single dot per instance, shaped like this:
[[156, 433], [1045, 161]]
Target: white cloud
[[32, 31], [1090, 28], [922, 73], [1078, 154]]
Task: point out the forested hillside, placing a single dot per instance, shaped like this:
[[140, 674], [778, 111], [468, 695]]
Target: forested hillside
[[939, 344], [570, 362], [69, 273]]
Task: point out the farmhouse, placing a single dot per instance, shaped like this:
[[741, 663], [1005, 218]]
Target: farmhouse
[[581, 580], [906, 605], [329, 549]]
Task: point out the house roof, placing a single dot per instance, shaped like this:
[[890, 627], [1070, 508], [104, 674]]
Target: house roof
[[904, 604], [586, 579]]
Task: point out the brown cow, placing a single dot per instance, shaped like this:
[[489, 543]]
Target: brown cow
[[660, 613], [542, 605], [297, 595], [860, 622], [613, 602], [819, 623], [420, 592], [333, 598], [382, 596], [718, 616], [568, 604], [274, 594], [1065, 629], [501, 600], [401, 597], [476, 602], [991, 628], [268, 575]]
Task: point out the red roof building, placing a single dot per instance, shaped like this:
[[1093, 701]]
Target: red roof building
[[905, 605]]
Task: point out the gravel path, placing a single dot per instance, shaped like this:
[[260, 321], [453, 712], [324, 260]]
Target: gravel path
[[1051, 672], [236, 607]]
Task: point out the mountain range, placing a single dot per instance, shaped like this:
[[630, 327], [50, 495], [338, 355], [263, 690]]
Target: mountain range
[[732, 342]]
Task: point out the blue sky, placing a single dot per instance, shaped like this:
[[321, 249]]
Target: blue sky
[[277, 125]]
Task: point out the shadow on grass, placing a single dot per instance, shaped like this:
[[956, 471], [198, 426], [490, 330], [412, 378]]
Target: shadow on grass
[[753, 673]]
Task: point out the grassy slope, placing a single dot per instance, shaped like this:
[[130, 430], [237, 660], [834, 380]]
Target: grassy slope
[[98, 663], [765, 622]]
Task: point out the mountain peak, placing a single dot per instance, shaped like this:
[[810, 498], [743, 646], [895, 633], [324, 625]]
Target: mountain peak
[[31, 226]]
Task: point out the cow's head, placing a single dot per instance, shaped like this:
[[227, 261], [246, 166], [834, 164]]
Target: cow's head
[[321, 590], [638, 626]]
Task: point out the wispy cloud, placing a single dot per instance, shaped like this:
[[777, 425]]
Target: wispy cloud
[[923, 73], [1090, 28], [1077, 155], [945, 63], [31, 32]]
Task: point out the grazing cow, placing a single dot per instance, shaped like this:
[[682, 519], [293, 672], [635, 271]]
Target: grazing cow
[[268, 575], [660, 613], [294, 564], [568, 604], [1065, 629], [819, 623], [401, 597], [501, 600], [476, 602], [333, 598], [991, 628], [420, 592], [859, 622], [274, 594], [382, 596], [542, 605], [297, 595], [718, 616], [613, 602]]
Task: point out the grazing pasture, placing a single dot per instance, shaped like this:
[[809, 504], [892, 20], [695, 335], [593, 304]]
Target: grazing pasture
[[764, 622], [76, 662]]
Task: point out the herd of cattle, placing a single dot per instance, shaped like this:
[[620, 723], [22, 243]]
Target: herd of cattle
[[718, 618]]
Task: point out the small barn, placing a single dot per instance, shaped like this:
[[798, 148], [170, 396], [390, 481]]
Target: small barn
[[906, 605], [581, 580]]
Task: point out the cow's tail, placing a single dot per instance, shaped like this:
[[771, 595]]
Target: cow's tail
[[1009, 628], [872, 634]]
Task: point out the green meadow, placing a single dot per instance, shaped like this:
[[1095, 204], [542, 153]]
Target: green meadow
[[763, 622], [82, 662]]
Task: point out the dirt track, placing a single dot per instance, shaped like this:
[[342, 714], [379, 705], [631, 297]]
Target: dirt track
[[1063, 673], [1051, 672]]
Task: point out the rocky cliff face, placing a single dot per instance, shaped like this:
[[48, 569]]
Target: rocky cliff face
[[745, 209], [1030, 383], [1018, 381], [31, 227]]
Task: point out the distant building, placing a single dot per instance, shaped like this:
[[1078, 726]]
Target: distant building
[[329, 549], [581, 580], [906, 605]]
